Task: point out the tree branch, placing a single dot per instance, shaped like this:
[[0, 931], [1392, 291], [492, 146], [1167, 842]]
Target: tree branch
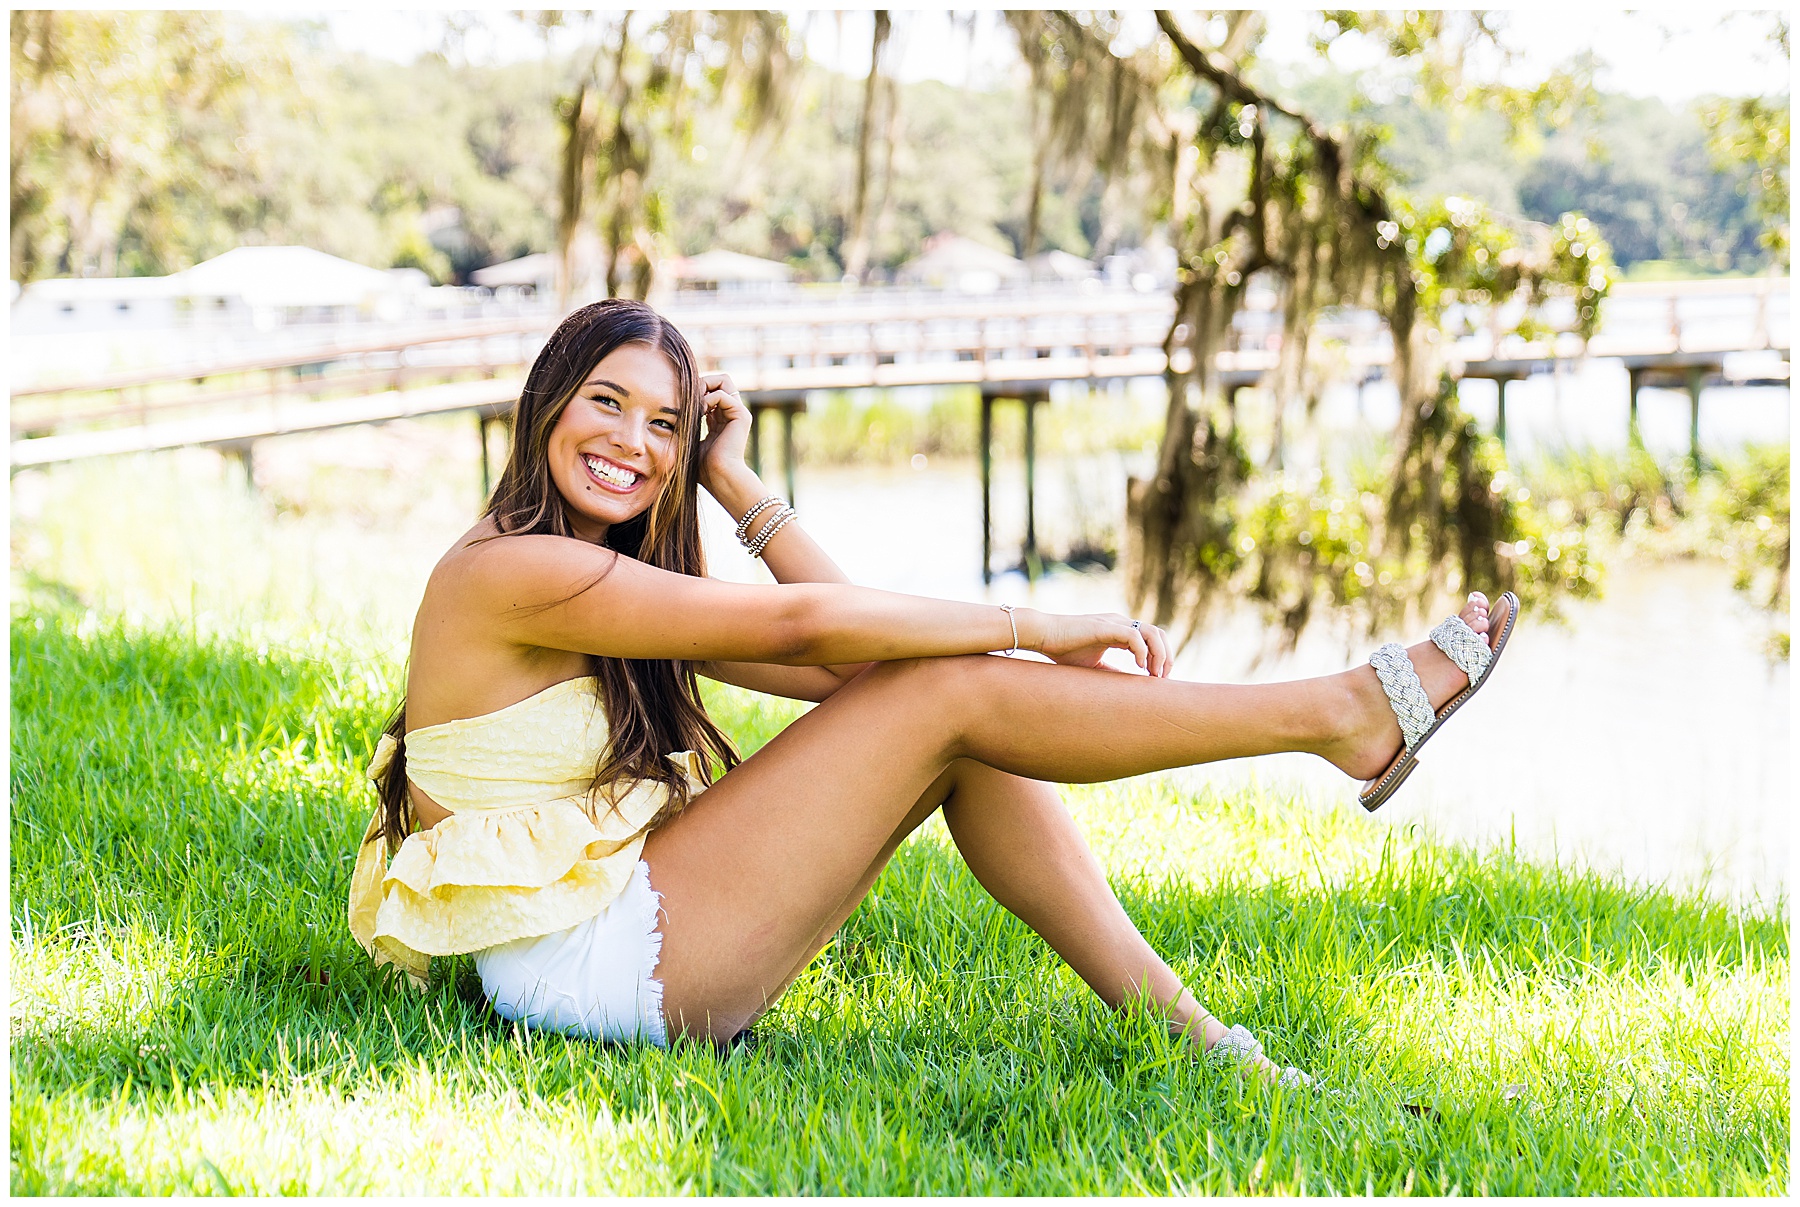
[[1223, 76]]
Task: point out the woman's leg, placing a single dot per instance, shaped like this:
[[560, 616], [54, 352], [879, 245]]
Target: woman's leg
[[1021, 844], [765, 860]]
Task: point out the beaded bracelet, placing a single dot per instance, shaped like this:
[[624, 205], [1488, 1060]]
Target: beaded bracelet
[[770, 529], [775, 513], [743, 526]]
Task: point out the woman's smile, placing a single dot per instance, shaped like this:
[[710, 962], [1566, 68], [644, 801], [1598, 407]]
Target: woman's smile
[[610, 474]]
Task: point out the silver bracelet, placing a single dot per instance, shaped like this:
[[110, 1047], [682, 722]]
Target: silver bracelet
[[1008, 609], [770, 529], [743, 526]]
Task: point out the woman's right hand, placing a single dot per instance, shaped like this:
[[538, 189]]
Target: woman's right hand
[[727, 434], [1084, 640]]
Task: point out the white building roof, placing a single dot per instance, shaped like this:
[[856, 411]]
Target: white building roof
[[99, 289], [948, 257], [1058, 265], [722, 265], [538, 267], [286, 276]]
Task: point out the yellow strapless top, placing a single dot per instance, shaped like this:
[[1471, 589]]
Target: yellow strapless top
[[524, 852]]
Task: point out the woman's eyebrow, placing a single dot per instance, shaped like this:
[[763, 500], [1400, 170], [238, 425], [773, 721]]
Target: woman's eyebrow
[[611, 385]]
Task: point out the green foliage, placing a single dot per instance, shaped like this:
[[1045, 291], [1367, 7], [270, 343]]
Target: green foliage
[[190, 1016], [1296, 543], [114, 172], [1753, 132], [1753, 512], [1316, 212], [120, 122], [117, 170], [1581, 262], [1737, 510], [414, 250], [1638, 167], [1461, 253]]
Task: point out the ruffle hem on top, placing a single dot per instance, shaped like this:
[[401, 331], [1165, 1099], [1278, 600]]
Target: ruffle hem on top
[[503, 865]]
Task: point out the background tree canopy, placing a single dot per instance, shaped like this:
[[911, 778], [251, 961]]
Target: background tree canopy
[[138, 147]]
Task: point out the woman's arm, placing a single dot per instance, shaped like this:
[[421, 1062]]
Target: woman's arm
[[565, 594], [792, 556]]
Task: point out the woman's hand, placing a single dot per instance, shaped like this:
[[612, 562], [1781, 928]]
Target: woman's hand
[[727, 432], [1083, 640]]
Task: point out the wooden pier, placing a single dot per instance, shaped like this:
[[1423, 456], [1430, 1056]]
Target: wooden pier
[[1012, 347]]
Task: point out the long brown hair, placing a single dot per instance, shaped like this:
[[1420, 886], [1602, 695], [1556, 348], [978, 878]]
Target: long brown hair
[[652, 705]]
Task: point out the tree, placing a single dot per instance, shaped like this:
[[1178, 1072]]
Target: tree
[[1753, 131], [636, 95], [1258, 189], [856, 245], [125, 122]]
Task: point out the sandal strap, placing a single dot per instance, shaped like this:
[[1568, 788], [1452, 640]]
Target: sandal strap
[[1406, 695], [1240, 1045], [1237, 1043], [1463, 646]]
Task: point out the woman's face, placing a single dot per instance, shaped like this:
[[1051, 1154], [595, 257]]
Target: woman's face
[[615, 444]]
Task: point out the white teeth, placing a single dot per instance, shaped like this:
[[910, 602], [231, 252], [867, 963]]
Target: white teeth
[[611, 473]]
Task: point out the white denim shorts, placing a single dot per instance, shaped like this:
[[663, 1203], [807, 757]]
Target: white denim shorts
[[596, 979]]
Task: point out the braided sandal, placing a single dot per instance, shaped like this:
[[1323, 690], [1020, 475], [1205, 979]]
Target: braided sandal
[[1238, 1046], [1406, 695]]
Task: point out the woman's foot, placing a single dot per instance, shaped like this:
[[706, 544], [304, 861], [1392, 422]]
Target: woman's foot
[[1219, 1042], [1371, 739], [1239, 1046]]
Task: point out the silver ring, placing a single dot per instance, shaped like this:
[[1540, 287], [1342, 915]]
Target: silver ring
[[1137, 624]]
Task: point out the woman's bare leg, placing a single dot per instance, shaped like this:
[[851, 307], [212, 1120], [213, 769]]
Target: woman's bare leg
[[1021, 844], [765, 860]]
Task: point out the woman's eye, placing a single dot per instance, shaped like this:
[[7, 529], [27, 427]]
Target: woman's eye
[[665, 424], [603, 400]]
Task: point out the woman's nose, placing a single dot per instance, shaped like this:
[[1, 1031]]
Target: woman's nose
[[628, 434]]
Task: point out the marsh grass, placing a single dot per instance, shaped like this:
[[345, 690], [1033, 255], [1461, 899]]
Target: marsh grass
[[189, 1014]]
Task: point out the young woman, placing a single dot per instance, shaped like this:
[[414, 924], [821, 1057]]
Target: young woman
[[545, 787]]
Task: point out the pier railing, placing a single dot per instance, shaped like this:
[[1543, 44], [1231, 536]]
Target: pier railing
[[780, 349]]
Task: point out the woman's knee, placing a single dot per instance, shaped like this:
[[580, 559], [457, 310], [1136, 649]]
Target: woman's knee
[[932, 677]]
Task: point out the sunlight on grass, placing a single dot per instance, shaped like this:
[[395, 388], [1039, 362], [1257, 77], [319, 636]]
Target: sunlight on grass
[[94, 982], [418, 1135]]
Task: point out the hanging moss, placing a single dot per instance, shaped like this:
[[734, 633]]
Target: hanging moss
[[1256, 189]]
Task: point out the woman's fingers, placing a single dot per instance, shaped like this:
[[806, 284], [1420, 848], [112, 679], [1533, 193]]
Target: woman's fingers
[[718, 390], [1160, 658], [1134, 640]]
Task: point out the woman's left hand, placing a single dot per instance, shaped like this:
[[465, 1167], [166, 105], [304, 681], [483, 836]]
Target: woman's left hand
[[727, 429]]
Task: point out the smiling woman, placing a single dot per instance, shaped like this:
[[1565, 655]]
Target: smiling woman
[[553, 761]]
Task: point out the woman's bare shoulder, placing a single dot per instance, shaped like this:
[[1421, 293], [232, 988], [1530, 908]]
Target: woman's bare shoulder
[[461, 662], [484, 559]]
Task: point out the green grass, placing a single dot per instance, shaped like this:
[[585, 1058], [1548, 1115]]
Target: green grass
[[189, 1014]]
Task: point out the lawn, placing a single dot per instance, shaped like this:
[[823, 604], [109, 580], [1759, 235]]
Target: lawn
[[190, 1016]]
